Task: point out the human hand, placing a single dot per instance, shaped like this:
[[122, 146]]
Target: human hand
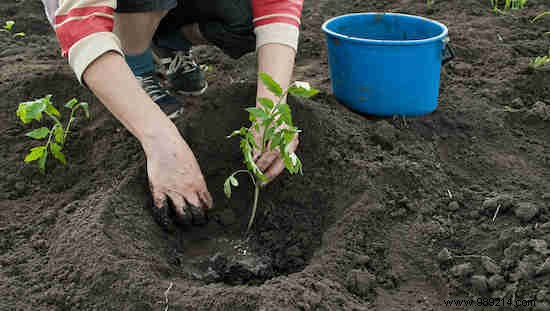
[[176, 183]]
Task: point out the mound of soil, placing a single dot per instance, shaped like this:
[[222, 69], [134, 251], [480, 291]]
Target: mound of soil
[[391, 214]]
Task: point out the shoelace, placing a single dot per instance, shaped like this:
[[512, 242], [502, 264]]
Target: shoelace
[[183, 61], [152, 87]]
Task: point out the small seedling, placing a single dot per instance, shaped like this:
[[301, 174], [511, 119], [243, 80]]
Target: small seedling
[[8, 28], [541, 15], [429, 3], [273, 121], [508, 4], [56, 135], [540, 61]]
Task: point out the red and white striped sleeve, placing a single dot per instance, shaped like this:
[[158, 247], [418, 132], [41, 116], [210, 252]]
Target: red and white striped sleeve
[[84, 29], [277, 21]]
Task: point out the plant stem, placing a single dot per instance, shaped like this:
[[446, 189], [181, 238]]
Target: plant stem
[[254, 205], [50, 137], [68, 125], [249, 174]]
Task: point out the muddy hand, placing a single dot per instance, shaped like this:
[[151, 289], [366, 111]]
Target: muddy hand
[[177, 184], [270, 162]]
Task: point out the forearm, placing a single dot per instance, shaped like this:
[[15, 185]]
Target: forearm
[[114, 85], [277, 60]]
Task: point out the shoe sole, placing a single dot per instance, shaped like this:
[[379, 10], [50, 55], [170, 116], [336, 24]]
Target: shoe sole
[[194, 93], [158, 63]]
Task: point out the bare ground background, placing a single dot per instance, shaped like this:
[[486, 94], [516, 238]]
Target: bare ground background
[[363, 229]]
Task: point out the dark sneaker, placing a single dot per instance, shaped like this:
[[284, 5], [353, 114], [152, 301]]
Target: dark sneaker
[[169, 104], [181, 70]]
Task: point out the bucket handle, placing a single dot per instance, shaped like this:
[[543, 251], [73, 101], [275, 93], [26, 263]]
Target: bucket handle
[[448, 52]]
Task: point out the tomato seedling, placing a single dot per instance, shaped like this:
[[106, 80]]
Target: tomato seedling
[[56, 135], [8, 27], [508, 4], [540, 61], [544, 60], [271, 129]]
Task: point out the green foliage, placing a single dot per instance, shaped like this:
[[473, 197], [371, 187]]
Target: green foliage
[[56, 135], [541, 15], [540, 61], [271, 129], [506, 5], [429, 3], [8, 27]]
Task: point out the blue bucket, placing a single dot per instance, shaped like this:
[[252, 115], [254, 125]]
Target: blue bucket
[[387, 64]]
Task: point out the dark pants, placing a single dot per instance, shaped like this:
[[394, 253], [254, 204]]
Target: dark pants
[[224, 23]]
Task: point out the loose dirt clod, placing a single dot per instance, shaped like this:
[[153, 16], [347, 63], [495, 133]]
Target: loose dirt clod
[[542, 306], [360, 282], [539, 246], [462, 270], [526, 211], [454, 206], [479, 284], [362, 260], [496, 282], [544, 268], [444, 256], [489, 265], [384, 134]]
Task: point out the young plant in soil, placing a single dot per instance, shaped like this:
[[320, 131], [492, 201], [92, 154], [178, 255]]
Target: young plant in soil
[[8, 27], [508, 4], [56, 135], [540, 61], [544, 60], [273, 121]]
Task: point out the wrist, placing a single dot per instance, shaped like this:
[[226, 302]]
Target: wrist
[[159, 134]]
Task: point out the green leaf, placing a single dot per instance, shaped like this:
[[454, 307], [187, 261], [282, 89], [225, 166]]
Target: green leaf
[[288, 136], [40, 133], [286, 114], [234, 181], [227, 187], [9, 25], [257, 113], [540, 16], [59, 134], [302, 92], [19, 34], [270, 84], [287, 161], [35, 154], [292, 162], [241, 132], [71, 103], [266, 103], [50, 108], [56, 151], [252, 140], [276, 140], [86, 109], [269, 134], [42, 161], [32, 110]]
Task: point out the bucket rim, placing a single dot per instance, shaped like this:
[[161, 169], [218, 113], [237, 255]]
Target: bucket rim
[[444, 33]]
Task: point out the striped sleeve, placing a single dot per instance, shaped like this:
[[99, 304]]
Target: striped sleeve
[[84, 30], [277, 21]]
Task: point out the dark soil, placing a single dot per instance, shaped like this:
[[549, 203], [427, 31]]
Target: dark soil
[[391, 214]]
